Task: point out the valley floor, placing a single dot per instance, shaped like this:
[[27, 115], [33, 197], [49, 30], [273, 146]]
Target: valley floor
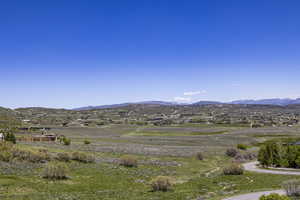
[[164, 151]]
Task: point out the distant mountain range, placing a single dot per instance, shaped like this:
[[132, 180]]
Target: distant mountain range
[[279, 102], [165, 103], [275, 101]]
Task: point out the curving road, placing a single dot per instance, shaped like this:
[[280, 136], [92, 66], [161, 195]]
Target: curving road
[[254, 195], [253, 166]]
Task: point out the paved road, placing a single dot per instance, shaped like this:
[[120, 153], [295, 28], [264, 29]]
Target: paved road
[[254, 196], [252, 166]]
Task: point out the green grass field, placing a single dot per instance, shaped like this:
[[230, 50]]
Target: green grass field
[[165, 151]]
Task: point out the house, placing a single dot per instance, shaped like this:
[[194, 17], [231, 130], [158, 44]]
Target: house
[[44, 138]]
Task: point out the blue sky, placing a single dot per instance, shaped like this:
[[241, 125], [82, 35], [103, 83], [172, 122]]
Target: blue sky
[[71, 53]]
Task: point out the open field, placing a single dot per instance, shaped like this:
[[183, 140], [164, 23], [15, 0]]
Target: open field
[[160, 150], [168, 151], [167, 141]]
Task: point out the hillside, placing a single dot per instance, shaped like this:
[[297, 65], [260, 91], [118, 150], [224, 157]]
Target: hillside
[[264, 115]]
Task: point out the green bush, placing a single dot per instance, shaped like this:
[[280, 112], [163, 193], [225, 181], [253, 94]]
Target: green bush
[[128, 161], [276, 154], [55, 171], [242, 146], [5, 151], [161, 183], [274, 196], [66, 141], [10, 137], [6, 156], [199, 156], [233, 169], [292, 187], [86, 142], [82, 157]]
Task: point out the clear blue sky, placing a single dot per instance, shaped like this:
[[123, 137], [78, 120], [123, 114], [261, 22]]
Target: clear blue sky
[[70, 53]]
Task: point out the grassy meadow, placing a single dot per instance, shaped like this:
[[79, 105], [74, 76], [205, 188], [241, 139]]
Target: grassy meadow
[[165, 151]]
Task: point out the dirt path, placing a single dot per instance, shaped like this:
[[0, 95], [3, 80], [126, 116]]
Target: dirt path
[[254, 196], [252, 166]]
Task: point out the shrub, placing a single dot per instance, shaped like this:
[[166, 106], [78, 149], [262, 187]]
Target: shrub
[[161, 183], [274, 196], [82, 157], [292, 187], [250, 156], [233, 169], [242, 146], [65, 157], [45, 154], [55, 171], [30, 156], [199, 156], [273, 154], [9, 152], [10, 137], [5, 146], [231, 152], [5, 156], [86, 142], [239, 158], [66, 141], [128, 161], [243, 157], [5, 151]]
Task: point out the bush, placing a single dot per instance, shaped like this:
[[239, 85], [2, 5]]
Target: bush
[[231, 152], [233, 169], [199, 156], [5, 156], [65, 157], [128, 161], [30, 156], [242, 146], [10, 137], [82, 157], [274, 196], [161, 183], [9, 152], [243, 157], [292, 187], [239, 158], [66, 141], [86, 142], [276, 154], [55, 171], [250, 156]]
